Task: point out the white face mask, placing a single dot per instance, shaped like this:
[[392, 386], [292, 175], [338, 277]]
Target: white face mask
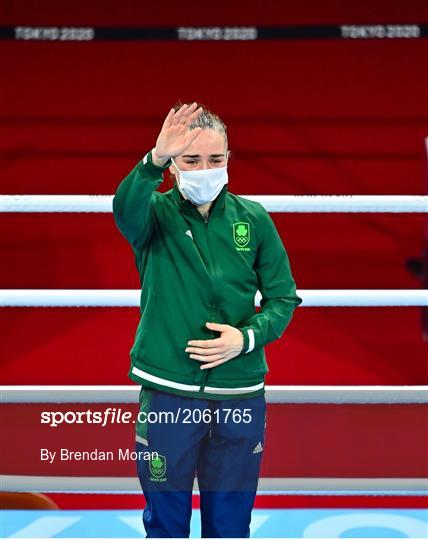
[[203, 185]]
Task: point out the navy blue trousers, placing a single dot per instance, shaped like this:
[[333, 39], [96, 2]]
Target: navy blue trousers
[[218, 441]]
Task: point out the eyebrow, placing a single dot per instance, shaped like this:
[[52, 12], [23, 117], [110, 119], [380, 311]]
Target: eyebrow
[[197, 155]]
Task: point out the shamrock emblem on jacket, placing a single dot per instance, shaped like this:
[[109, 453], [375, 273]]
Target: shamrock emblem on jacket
[[241, 233], [241, 230]]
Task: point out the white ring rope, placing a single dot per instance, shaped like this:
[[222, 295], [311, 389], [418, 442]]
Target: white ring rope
[[266, 485], [131, 297], [272, 203], [274, 394]]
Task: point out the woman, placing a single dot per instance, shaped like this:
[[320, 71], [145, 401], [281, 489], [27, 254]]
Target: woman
[[202, 254]]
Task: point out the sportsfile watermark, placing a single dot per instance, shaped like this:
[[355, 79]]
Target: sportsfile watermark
[[113, 415]]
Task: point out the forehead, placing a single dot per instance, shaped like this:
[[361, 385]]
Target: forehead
[[206, 143]]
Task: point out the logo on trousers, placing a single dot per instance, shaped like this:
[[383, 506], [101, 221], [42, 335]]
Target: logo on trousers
[[258, 448], [158, 468]]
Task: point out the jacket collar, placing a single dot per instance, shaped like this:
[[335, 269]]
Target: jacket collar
[[188, 207]]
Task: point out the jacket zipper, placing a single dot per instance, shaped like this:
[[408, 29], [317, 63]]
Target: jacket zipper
[[204, 380], [205, 221]]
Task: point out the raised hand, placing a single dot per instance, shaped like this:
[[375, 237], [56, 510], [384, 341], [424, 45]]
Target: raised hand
[[175, 135]]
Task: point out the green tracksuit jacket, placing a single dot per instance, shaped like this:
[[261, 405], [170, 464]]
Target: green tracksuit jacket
[[193, 271]]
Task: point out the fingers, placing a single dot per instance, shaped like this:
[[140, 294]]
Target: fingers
[[186, 114], [190, 109], [194, 114], [205, 343], [184, 118], [177, 115], [192, 134], [168, 119], [209, 358], [214, 364], [204, 353]]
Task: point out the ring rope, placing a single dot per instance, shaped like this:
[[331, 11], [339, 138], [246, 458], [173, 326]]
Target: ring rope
[[131, 297], [274, 394], [266, 485], [272, 203]]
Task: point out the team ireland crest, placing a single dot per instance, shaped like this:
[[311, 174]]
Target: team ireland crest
[[158, 467], [241, 233]]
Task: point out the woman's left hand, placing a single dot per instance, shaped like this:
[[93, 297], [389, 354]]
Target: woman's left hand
[[214, 352]]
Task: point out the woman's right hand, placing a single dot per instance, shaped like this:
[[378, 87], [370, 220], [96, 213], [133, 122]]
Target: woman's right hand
[[175, 135]]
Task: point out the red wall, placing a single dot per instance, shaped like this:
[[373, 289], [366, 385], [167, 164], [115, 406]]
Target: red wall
[[304, 117]]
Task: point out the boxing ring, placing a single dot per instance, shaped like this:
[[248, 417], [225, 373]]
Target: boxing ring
[[33, 399]]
